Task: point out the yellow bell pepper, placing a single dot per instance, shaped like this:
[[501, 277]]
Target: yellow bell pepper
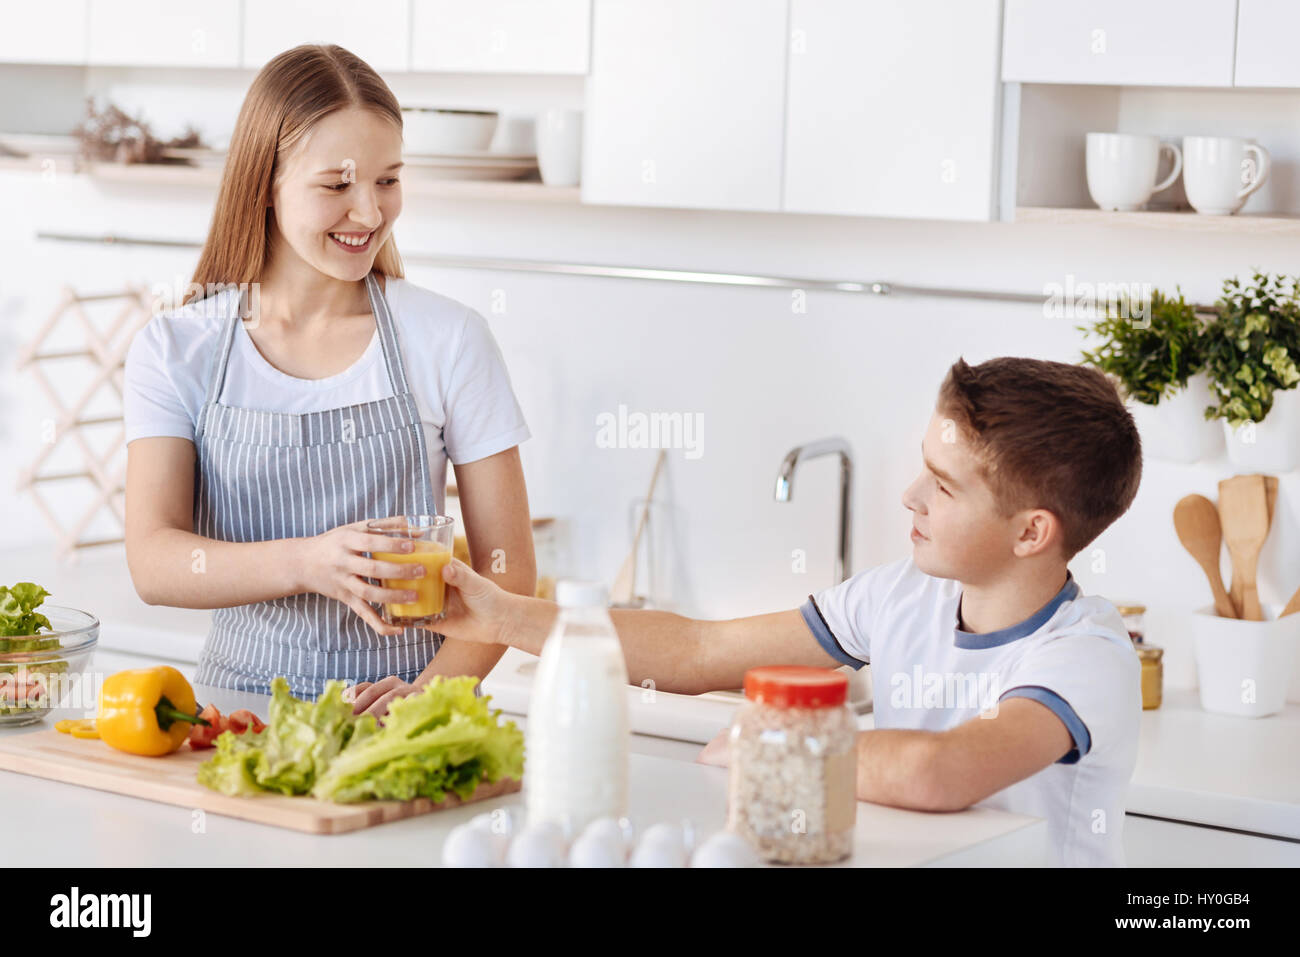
[[147, 710]]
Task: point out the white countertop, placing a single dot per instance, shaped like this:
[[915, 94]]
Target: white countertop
[[1194, 766], [66, 825]]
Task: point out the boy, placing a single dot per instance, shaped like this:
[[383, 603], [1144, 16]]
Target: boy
[[995, 681]]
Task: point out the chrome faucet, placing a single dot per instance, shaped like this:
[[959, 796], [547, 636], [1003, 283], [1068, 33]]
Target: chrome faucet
[[785, 488]]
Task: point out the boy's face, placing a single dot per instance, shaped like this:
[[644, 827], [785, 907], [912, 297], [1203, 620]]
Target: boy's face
[[962, 535]]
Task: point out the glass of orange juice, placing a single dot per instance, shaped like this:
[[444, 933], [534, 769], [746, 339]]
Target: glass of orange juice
[[432, 537]]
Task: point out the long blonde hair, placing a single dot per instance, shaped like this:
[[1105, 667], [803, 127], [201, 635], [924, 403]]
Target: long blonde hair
[[292, 93]]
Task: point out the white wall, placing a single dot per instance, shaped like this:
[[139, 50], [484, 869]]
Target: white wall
[[764, 377]]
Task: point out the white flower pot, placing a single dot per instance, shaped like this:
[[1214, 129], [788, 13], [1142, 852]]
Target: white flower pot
[[1244, 667], [1272, 445], [1176, 430]]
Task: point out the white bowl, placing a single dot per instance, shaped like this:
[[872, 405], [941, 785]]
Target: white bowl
[[443, 131], [1244, 667]]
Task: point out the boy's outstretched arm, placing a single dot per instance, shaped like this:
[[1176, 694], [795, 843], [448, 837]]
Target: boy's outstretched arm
[[951, 770], [682, 655]]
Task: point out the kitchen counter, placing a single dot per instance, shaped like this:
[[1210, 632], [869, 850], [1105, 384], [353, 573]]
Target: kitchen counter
[[67, 825], [1193, 766]]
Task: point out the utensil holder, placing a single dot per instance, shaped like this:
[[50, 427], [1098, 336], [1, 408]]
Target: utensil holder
[[1244, 667]]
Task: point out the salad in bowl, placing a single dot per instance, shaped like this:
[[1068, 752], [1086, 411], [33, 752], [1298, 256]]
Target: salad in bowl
[[43, 654]]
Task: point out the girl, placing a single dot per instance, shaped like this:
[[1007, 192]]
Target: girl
[[304, 387]]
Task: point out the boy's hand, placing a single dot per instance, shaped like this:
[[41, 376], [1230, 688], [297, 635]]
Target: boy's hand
[[476, 609], [717, 751]]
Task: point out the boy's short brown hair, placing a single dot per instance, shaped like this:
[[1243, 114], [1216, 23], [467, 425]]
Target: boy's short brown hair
[[1048, 435]]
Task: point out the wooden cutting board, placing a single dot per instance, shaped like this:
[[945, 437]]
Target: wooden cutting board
[[171, 780]]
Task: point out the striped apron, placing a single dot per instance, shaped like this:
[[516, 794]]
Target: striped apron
[[271, 475]]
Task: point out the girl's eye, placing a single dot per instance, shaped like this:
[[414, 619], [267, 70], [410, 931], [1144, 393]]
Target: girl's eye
[[338, 188], [944, 490], [392, 181]]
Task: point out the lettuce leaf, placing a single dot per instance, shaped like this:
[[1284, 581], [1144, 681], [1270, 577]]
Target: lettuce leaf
[[442, 739], [17, 609]]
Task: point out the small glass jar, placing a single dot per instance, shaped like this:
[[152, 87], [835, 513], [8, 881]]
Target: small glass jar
[[1153, 674], [547, 554], [1134, 620], [793, 766]]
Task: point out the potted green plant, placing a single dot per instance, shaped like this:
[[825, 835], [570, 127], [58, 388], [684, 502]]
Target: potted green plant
[[1155, 351], [1253, 358]]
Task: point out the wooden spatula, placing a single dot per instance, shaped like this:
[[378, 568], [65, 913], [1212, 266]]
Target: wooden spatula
[[1243, 512], [1270, 490], [1197, 522], [1292, 606]]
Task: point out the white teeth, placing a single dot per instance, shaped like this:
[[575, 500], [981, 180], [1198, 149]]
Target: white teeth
[[351, 241]]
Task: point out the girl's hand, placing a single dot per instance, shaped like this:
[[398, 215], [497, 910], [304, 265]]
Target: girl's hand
[[334, 564], [373, 697], [476, 609]]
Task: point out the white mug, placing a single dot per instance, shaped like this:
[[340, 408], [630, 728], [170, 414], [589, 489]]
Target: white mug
[[1122, 168], [1221, 171], [559, 147]]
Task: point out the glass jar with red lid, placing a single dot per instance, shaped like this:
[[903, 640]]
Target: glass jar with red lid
[[793, 765]]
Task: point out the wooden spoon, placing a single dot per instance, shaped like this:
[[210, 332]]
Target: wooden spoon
[[1270, 489], [1243, 511], [1197, 522], [1292, 606]]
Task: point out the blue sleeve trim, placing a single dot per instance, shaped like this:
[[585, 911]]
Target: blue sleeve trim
[[812, 616], [1061, 708]]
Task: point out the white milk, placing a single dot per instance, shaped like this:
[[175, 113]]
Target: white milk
[[577, 736]]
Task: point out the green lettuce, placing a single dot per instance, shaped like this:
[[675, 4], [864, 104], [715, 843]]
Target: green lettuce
[[441, 739], [17, 609]]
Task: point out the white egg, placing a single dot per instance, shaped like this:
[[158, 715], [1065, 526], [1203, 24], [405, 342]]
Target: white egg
[[538, 845], [662, 845], [499, 825], [470, 847], [725, 849], [597, 850], [607, 829]]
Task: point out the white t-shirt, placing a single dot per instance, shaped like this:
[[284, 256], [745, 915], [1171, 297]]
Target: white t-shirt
[[1073, 655], [453, 367]]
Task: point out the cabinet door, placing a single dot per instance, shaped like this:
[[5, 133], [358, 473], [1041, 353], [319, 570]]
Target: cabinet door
[[1266, 53], [893, 108], [685, 103], [54, 31], [380, 37], [501, 36], [165, 33], [1120, 42]]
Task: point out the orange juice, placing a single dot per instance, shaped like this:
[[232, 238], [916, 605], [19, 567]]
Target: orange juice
[[429, 589]]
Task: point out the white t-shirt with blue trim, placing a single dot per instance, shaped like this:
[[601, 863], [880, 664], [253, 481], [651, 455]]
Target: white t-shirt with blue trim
[[1073, 655]]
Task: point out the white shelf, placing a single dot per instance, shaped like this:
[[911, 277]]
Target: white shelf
[[1185, 220], [415, 182]]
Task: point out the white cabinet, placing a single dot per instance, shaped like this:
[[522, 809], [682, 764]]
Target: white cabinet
[[501, 36], [54, 31], [685, 104], [1120, 42], [165, 33], [377, 31], [893, 108], [1266, 49]]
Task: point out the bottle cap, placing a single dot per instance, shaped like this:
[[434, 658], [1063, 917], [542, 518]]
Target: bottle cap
[[796, 686], [580, 594]]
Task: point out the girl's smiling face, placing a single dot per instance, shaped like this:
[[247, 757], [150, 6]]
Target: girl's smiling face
[[337, 195]]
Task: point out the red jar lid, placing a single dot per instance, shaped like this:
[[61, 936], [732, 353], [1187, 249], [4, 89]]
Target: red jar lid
[[796, 686]]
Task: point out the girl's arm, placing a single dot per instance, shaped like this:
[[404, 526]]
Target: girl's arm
[[170, 565], [494, 506]]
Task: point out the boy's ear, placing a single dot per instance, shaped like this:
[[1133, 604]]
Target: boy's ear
[[1039, 531]]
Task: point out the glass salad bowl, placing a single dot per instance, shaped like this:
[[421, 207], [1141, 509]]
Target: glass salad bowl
[[38, 672]]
